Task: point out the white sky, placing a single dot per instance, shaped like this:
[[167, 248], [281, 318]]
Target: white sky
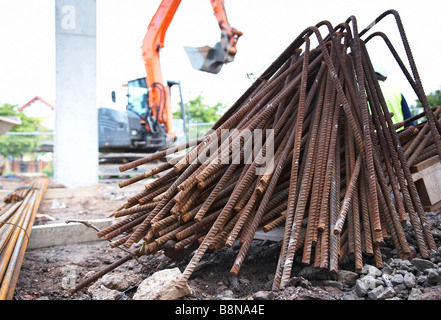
[[27, 37]]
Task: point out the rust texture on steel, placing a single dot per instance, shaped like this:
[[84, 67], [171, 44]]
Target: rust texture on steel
[[17, 215], [340, 181]]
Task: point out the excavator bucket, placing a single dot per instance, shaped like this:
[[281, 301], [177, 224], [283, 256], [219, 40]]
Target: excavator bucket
[[207, 58]]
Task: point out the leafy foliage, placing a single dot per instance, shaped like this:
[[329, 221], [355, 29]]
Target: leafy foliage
[[433, 98], [19, 145], [198, 111]]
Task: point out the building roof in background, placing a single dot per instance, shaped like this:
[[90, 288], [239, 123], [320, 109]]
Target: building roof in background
[[36, 98]]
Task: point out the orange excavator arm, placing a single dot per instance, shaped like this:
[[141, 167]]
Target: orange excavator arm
[[232, 33], [159, 95]]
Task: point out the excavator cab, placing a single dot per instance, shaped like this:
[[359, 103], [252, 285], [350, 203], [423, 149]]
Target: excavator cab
[[137, 96], [135, 129]]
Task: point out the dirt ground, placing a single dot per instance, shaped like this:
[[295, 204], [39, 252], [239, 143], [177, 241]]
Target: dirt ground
[[48, 273]]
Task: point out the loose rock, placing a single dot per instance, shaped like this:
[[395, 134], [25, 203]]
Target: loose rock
[[225, 295], [161, 286], [361, 288], [409, 280], [371, 270], [422, 264], [263, 295], [433, 277], [387, 293], [375, 293], [115, 282], [347, 277], [414, 294], [370, 282], [386, 279], [104, 293], [397, 279]]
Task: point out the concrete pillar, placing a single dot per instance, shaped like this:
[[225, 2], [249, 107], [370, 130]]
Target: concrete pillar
[[76, 113]]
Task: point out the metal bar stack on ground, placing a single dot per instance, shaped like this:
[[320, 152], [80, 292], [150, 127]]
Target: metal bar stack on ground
[[17, 215], [309, 147]]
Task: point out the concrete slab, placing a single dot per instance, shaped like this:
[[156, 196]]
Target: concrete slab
[[58, 193], [56, 234], [272, 235], [427, 182], [70, 193]]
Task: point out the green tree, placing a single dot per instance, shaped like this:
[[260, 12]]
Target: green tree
[[198, 111], [433, 98], [19, 145]]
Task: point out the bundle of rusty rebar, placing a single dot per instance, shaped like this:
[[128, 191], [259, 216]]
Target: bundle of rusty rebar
[[17, 215], [337, 179]]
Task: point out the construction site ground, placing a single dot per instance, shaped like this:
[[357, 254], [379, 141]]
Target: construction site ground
[[48, 273]]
